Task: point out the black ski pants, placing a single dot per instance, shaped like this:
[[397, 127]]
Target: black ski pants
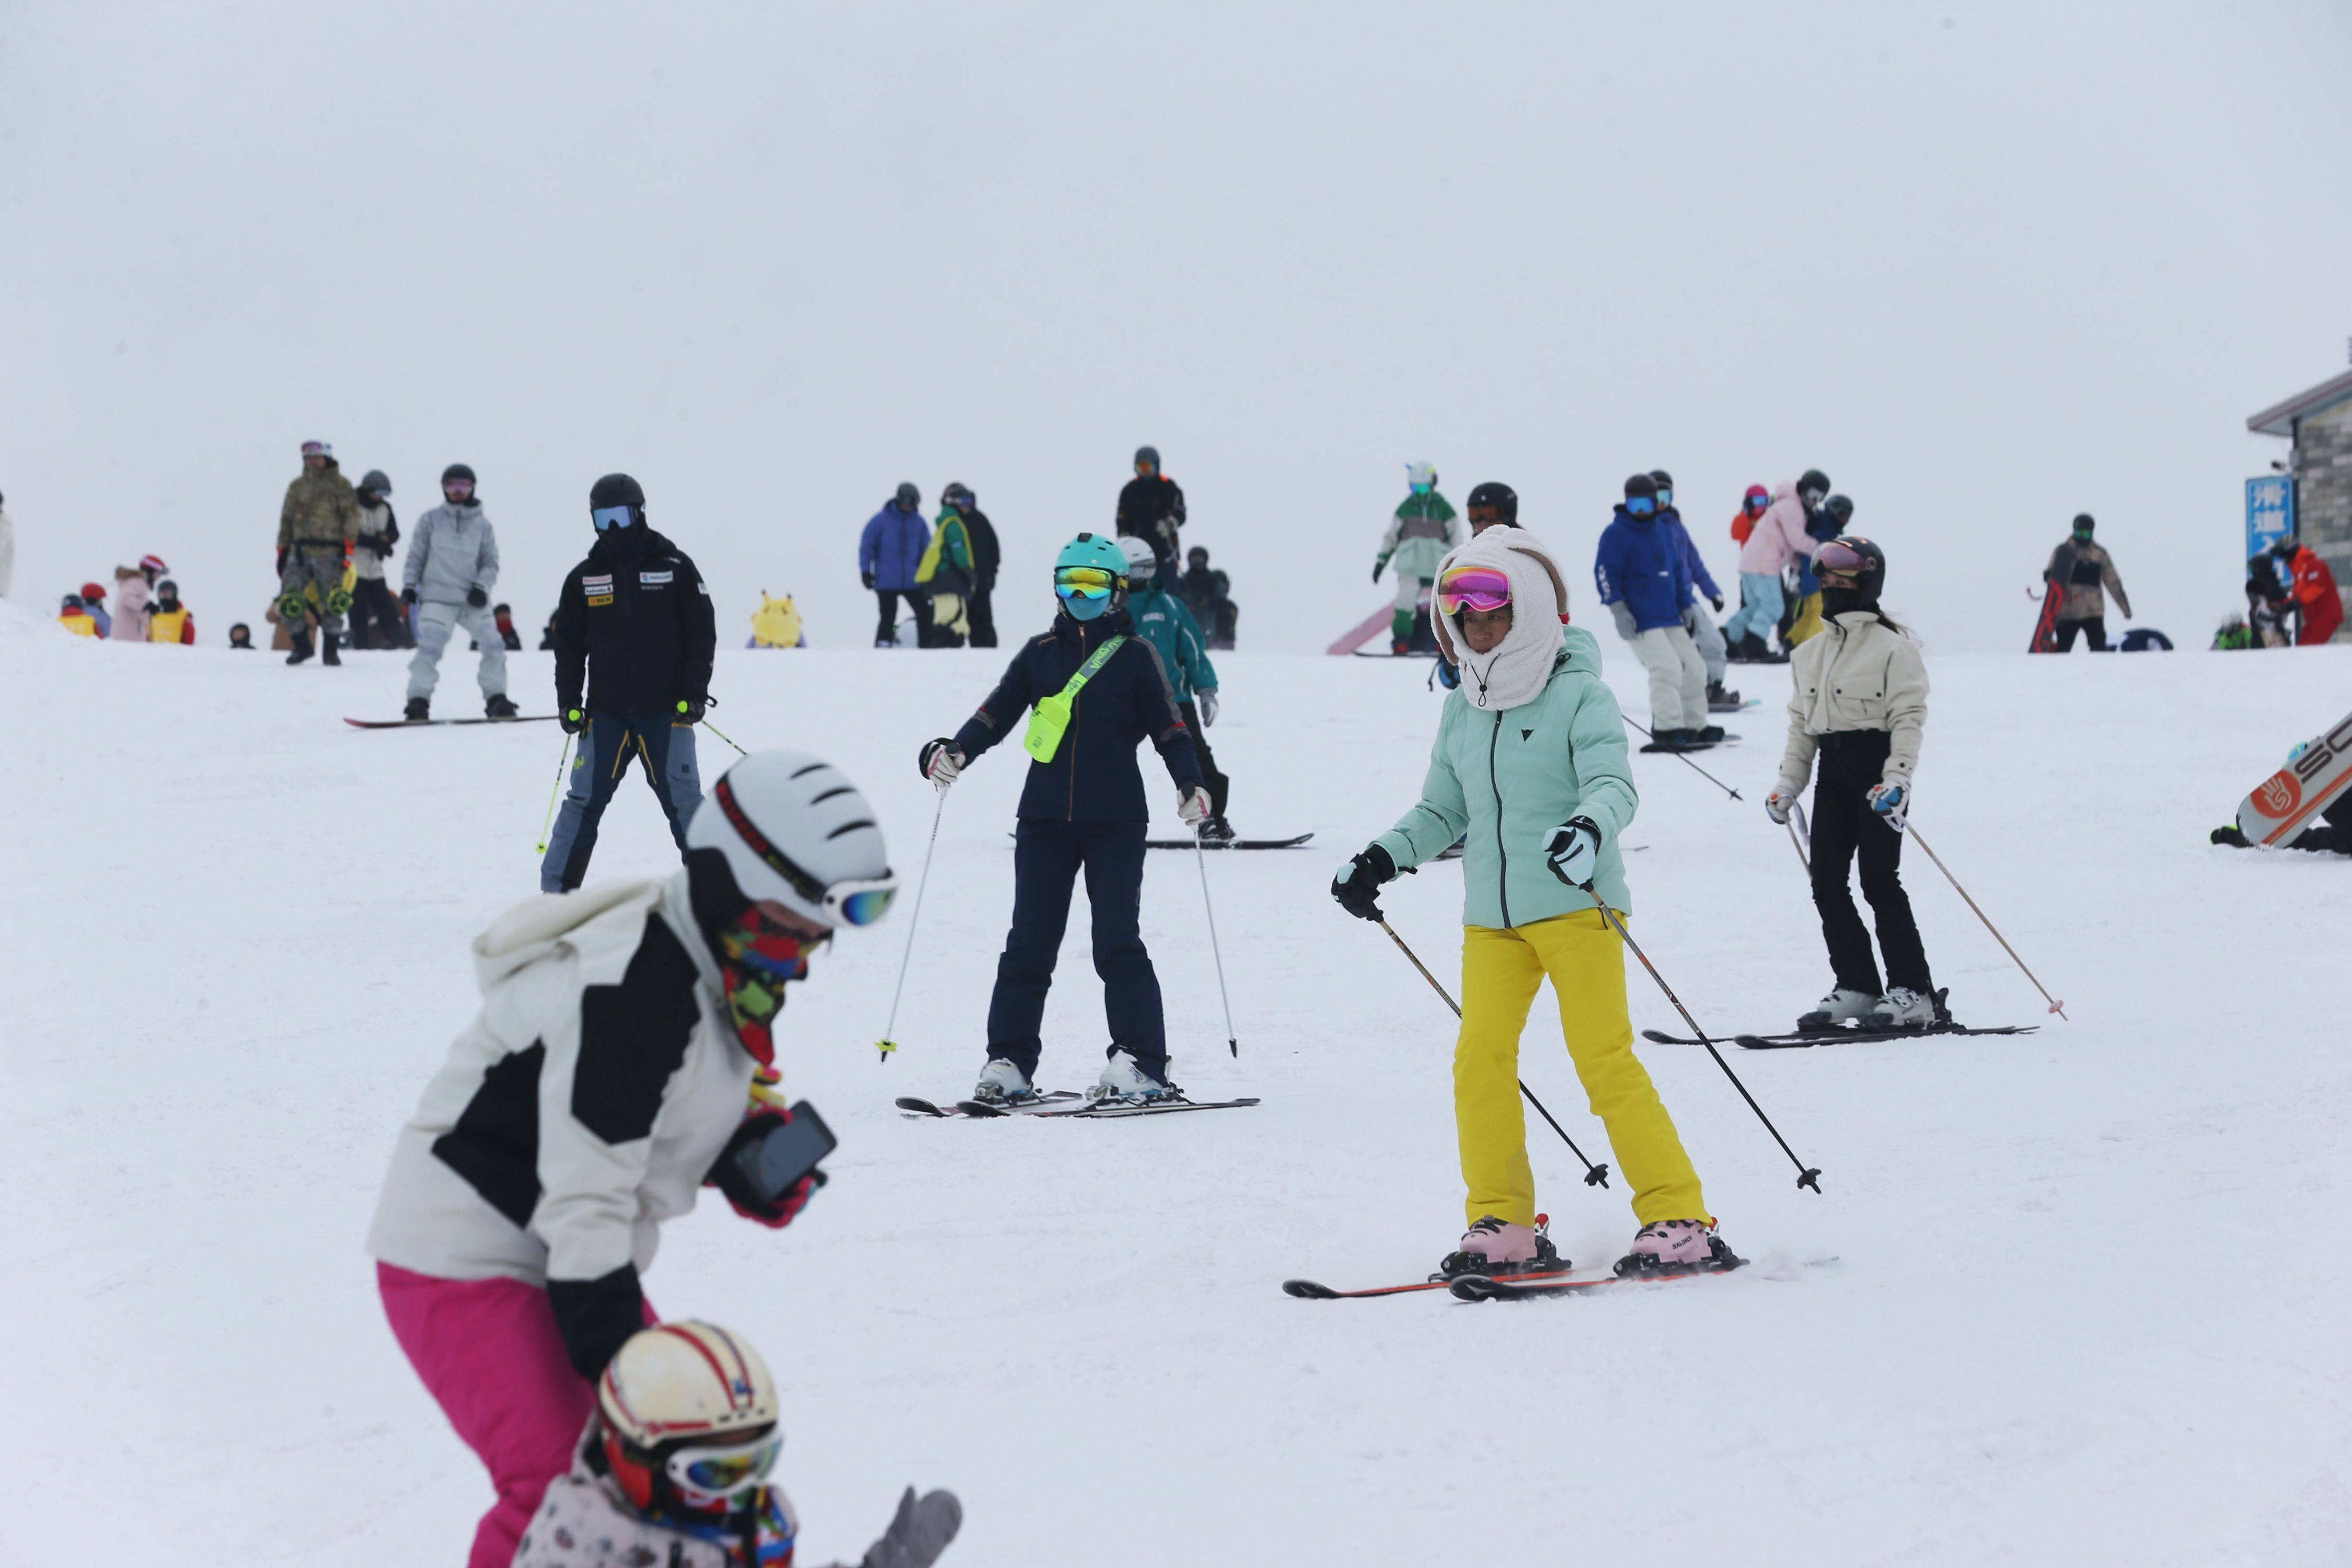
[[981, 615], [1846, 830], [887, 628], [2095, 633], [1046, 856], [376, 619], [1218, 784]]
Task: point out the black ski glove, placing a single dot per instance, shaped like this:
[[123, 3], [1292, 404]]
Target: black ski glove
[[281, 563], [1377, 566], [408, 596], [1357, 887], [573, 721], [866, 578], [475, 597], [691, 709]]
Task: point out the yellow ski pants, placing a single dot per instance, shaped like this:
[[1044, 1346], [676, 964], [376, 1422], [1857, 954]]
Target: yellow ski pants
[[1501, 971], [1808, 619]]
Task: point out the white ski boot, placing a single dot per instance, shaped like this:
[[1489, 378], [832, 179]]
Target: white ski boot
[[1902, 1008], [1123, 1080], [1002, 1083], [1838, 1008]]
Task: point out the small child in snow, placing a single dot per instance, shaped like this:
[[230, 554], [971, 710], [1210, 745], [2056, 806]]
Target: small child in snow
[[75, 617], [240, 636], [93, 601], [169, 620]]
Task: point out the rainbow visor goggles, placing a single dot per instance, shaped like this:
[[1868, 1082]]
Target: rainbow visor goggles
[[1472, 587], [1085, 583], [1839, 557], [857, 902], [724, 1471]]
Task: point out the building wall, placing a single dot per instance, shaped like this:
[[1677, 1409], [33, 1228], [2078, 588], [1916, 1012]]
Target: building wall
[[2323, 469]]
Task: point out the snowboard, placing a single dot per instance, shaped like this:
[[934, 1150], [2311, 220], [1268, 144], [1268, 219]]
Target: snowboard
[[2283, 805], [427, 724], [1383, 653], [2045, 627], [1233, 844], [1364, 633]]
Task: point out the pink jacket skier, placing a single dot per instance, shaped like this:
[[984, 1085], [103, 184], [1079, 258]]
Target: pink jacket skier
[[1780, 534]]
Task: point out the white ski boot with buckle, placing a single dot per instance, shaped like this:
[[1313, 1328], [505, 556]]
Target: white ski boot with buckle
[[1122, 1080], [1002, 1083], [1902, 1008], [1837, 1009]]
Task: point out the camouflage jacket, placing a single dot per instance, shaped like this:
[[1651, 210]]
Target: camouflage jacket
[[320, 507]]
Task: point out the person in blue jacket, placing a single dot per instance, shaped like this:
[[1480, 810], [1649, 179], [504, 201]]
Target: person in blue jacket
[[1099, 690], [1645, 582], [1704, 634], [1175, 636], [888, 555]]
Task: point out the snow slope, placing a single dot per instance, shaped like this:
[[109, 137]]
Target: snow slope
[[2071, 1298]]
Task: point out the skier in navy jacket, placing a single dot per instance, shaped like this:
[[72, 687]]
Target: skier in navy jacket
[[1083, 806], [889, 552], [1645, 579]]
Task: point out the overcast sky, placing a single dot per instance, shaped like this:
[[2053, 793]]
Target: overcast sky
[[1986, 265]]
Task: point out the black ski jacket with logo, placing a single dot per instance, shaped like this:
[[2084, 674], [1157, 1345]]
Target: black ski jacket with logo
[[633, 626]]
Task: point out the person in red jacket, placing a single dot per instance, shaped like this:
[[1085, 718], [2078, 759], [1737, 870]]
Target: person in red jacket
[[2313, 587]]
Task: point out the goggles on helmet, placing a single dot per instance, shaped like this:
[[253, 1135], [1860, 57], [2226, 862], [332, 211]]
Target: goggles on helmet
[[606, 517], [1477, 588], [1083, 581], [1839, 557], [858, 902], [716, 1471], [1665, 495]]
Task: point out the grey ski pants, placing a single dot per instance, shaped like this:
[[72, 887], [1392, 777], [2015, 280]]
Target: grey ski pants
[[1677, 678], [1707, 637], [434, 622]]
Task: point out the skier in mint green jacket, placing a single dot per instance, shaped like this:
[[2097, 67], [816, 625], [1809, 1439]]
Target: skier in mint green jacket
[[1420, 532], [1531, 761]]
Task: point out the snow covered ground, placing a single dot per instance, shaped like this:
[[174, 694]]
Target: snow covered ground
[[2070, 1297]]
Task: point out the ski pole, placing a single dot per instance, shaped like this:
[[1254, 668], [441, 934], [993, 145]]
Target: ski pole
[[1807, 1176], [547, 829], [2055, 1006], [1201, 856], [1594, 1175], [1693, 766], [1800, 835], [722, 735], [886, 1044]]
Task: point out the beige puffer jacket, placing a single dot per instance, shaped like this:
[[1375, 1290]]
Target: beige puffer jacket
[[1859, 673]]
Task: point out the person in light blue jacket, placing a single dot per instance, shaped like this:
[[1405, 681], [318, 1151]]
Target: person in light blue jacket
[[1530, 764], [1644, 580], [890, 553]]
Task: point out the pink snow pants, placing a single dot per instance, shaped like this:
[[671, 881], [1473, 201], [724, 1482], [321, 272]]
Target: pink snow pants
[[490, 1352]]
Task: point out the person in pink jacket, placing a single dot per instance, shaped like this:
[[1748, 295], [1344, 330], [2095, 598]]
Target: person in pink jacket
[[1779, 534], [130, 604]]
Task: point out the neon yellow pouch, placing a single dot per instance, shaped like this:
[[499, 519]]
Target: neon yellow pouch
[[1051, 717]]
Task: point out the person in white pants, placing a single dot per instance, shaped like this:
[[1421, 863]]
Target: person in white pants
[[1645, 579], [452, 566]]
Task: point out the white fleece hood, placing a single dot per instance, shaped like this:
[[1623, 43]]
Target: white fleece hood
[[1521, 665]]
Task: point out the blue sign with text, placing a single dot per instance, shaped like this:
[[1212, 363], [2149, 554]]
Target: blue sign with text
[[2270, 512]]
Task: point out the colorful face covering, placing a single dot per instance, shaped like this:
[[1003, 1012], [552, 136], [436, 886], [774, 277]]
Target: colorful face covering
[[756, 961]]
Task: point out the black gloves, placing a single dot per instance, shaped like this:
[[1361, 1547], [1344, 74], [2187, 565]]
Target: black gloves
[[866, 578], [281, 563], [1376, 569], [573, 721], [1358, 885], [408, 596], [691, 709], [475, 597]]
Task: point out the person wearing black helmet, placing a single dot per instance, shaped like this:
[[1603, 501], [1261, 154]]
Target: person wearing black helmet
[[633, 640], [1822, 524], [1491, 505], [376, 620], [890, 553], [1861, 706], [1644, 580], [452, 566], [1151, 507]]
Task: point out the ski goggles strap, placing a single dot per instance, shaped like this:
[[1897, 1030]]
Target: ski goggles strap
[[857, 901], [1479, 587], [1052, 717]]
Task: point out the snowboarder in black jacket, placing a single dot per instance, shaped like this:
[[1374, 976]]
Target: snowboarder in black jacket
[[1084, 805], [1151, 507], [634, 627], [986, 559]]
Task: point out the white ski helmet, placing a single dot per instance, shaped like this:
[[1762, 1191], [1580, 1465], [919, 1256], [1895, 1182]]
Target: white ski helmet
[[1140, 561], [1416, 475], [793, 828], [688, 1414]]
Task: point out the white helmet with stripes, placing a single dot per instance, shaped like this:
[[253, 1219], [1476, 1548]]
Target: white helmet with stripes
[[686, 1380], [793, 830]]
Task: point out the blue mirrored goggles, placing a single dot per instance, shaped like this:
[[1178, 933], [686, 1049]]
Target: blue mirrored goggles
[[1640, 506], [1665, 497], [606, 517]]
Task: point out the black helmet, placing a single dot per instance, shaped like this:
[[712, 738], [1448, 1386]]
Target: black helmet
[[1869, 569], [1502, 497], [1198, 553], [1839, 507], [1664, 480], [618, 490], [2082, 524], [956, 495], [376, 482], [1148, 455], [1813, 482], [1641, 485], [454, 471], [909, 496]]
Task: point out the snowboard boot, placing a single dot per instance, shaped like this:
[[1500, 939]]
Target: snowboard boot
[[1902, 1008], [1676, 1246], [330, 651], [1711, 735], [1839, 1007], [1498, 1248], [499, 707], [1122, 1080], [1217, 830], [301, 647], [419, 709], [1002, 1083], [1399, 647], [1718, 700]]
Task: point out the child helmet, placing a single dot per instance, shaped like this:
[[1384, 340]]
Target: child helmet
[[686, 1413]]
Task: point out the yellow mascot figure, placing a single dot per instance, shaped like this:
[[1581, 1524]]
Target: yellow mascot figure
[[776, 623]]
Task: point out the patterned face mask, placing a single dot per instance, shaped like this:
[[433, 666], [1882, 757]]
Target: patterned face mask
[[757, 961]]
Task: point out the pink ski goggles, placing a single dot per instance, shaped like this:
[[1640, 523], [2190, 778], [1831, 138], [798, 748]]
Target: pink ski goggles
[[1839, 556], [1478, 588]]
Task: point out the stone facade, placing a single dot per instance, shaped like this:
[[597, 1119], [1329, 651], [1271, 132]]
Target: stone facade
[[2323, 487]]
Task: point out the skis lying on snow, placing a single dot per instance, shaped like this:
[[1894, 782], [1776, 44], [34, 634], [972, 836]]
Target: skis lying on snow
[[427, 723], [1841, 1034], [1230, 844], [913, 1107]]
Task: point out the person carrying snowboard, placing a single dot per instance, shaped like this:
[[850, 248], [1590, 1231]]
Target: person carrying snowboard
[[1530, 763], [452, 566], [1645, 579], [1098, 690], [634, 628], [2087, 572], [1420, 533], [1164, 622], [317, 528], [623, 1059], [1861, 705]]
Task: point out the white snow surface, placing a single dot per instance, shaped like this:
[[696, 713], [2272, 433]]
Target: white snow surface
[[2069, 1298]]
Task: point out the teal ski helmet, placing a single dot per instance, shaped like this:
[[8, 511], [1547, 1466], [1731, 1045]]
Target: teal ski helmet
[[1091, 576]]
